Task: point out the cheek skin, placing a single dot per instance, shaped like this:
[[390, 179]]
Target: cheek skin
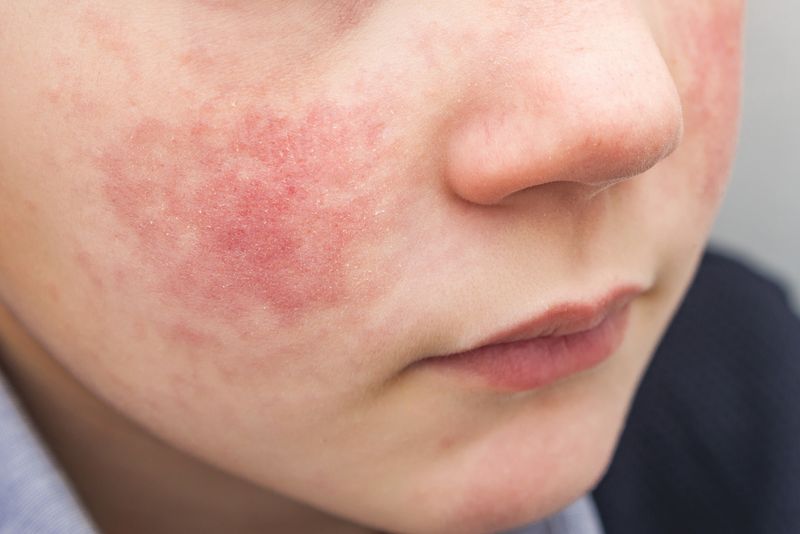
[[254, 210], [710, 41]]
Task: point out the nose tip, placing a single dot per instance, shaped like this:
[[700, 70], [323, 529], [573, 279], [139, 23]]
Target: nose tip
[[597, 133]]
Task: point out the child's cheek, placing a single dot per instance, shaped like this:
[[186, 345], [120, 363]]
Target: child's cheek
[[251, 210], [707, 44]]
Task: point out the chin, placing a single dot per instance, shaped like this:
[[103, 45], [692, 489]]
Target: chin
[[500, 500], [540, 460]]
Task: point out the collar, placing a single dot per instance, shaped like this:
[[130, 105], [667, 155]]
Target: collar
[[34, 493]]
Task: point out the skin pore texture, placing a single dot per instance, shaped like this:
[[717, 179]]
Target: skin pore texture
[[255, 213], [230, 228]]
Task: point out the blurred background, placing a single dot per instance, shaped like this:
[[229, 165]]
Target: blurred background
[[760, 217]]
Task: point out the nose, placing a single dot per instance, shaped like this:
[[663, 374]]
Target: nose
[[593, 109]]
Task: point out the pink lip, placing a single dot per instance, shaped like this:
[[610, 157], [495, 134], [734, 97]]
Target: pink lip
[[566, 339]]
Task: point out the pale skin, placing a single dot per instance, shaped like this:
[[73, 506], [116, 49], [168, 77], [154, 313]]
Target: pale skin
[[229, 228]]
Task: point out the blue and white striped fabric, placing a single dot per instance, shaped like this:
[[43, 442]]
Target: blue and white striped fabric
[[34, 495], [580, 517]]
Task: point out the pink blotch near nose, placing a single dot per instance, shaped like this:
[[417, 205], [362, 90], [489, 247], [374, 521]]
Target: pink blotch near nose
[[712, 39], [253, 211]]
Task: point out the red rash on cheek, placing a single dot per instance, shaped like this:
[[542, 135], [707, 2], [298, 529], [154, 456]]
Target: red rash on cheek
[[712, 42], [257, 211]]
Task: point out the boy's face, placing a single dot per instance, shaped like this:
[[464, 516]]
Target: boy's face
[[241, 222]]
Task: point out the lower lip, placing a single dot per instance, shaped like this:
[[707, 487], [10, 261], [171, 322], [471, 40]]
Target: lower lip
[[534, 363]]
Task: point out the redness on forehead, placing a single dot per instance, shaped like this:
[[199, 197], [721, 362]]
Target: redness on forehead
[[258, 211]]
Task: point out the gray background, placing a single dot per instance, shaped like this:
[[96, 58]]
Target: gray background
[[760, 216]]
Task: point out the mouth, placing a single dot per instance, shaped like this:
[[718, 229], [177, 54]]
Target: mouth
[[567, 338]]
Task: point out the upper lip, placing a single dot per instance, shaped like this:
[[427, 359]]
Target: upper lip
[[567, 318]]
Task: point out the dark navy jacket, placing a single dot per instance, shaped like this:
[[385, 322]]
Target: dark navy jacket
[[712, 442]]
